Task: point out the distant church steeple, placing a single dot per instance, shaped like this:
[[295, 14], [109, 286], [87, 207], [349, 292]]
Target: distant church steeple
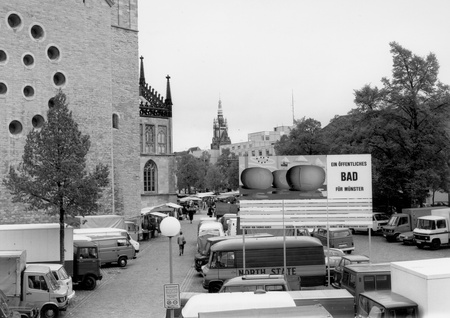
[[220, 130]]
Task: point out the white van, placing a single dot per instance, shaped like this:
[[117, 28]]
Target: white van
[[103, 231]]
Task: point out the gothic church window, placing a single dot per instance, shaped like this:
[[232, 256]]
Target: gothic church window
[[162, 139], [150, 176], [148, 137]]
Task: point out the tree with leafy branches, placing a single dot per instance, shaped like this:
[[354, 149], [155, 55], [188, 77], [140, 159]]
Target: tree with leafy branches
[[404, 126], [304, 139], [187, 172], [228, 165], [53, 175]]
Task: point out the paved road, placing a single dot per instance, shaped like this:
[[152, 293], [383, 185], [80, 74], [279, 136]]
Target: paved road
[[137, 290]]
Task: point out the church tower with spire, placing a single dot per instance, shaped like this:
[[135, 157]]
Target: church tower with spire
[[156, 144], [220, 130]]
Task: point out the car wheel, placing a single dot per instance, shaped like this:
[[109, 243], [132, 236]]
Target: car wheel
[[435, 244], [122, 261], [420, 245], [49, 312], [89, 283], [214, 287]]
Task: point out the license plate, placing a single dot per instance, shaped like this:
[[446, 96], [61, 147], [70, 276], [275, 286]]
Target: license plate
[[342, 245]]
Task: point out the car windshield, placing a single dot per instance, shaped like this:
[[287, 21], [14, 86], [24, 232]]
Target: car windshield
[[52, 280], [62, 274], [426, 224], [393, 220]]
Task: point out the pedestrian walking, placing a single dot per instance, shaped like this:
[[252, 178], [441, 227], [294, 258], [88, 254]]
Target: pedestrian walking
[[191, 213], [210, 211], [181, 241], [185, 212]]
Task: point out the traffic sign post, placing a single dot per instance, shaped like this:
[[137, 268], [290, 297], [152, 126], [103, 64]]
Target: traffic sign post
[[172, 296]]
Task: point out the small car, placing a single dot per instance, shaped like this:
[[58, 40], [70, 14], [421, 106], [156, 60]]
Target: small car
[[407, 238], [347, 260], [332, 256], [340, 237], [251, 283]]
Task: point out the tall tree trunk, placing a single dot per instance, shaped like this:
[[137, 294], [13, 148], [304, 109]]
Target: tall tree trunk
[[61, 234]]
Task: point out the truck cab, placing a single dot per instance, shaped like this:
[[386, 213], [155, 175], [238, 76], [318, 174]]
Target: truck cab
[[433, 230], [40, 287], [361, 278], [397, 224], [385, 303], [87, 264]]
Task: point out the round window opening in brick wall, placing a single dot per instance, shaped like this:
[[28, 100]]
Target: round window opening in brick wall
[[51, 102], [28, 60], [3, 88], [28, 91], [15, 127], [37, 32], [37, 121], [14, 21], [3, 57], [59, 79], [53, 53]]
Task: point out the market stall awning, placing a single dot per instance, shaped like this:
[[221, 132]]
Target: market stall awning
[[186, 199]]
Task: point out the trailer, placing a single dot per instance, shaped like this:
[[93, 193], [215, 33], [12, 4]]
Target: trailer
[[41, 241]]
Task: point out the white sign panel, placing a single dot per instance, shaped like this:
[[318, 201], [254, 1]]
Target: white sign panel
[[172, 296], [349, 176]]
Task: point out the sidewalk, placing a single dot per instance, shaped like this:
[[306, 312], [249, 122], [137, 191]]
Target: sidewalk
[[138, 290]]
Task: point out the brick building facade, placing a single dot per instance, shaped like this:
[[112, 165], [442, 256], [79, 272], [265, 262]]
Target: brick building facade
[[89, 49]]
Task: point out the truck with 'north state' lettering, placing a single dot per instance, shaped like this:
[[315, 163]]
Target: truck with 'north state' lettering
[[305, 260]]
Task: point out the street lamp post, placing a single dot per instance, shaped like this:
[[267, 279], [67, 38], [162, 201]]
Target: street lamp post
[[170, 227]]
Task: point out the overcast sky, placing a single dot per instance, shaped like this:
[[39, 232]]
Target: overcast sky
[[255, 55]]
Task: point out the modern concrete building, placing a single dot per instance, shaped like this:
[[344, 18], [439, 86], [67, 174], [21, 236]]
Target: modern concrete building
[[259, 143]]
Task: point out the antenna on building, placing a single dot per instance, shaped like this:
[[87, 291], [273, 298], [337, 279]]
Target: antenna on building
[[293, 116]]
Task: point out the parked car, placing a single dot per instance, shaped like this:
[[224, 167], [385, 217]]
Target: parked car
[[251, 283], [340, 238], [379, 219], [407, 238], [347, 260], [332, 257]]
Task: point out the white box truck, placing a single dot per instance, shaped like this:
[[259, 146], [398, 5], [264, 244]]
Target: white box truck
[[41, 241], [419, 289], [433, 230], [31, 283]]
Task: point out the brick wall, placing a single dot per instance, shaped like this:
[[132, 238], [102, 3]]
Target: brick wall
[[100, 64]]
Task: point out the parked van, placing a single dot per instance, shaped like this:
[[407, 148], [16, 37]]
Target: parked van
[[345, 261], [114, 249], [105, 231], [366, 277], [202, 257], [305, 260], [340, 237]]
